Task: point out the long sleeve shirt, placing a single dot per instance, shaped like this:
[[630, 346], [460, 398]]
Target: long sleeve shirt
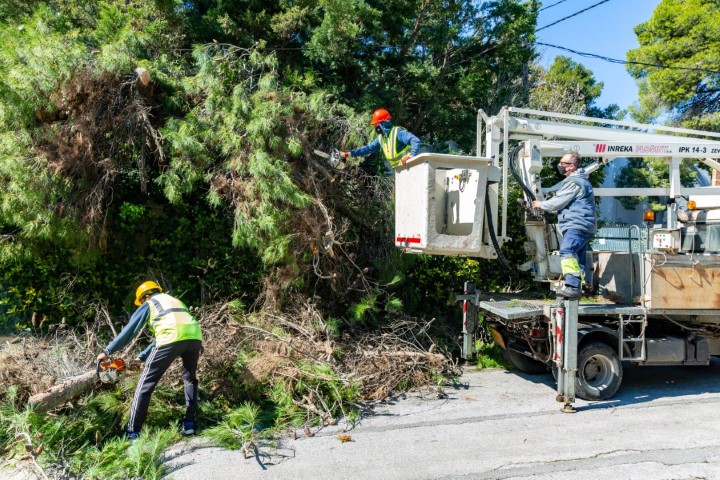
[[137, 321], [404, 138]]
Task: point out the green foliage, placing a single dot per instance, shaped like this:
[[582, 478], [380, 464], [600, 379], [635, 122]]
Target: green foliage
[[70, 432], [13, 419], [238, 428], [31, 68], [193, 251], [490, 355], [433, 282], [332, 42], [685, 36], [652, 173], [313, 380], [569, 87], [35, 294], [88, 435], [12, 9], [332, 325], [30, 71], [118, 459], [679, 48], [243, 99], [214, 146], [131, 214], [393, 305], [364, 309]]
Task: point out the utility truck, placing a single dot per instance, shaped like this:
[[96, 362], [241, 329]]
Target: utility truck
[[655, 296]]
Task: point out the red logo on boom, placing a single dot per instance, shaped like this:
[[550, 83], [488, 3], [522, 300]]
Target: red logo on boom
[[600, 147]]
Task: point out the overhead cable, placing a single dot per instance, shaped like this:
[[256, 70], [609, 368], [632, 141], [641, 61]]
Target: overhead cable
[[573, 15], [550, 6], [627, 62]]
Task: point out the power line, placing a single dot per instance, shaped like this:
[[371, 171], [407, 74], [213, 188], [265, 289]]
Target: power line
[[550, 6], [626, 62], [570, 16]]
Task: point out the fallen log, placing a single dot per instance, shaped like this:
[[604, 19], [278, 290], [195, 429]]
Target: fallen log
[[63, 392], [434, 357]]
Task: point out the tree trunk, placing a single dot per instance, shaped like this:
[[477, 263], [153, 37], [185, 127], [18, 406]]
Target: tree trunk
[[62, 392]]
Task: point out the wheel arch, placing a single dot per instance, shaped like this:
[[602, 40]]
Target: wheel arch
[[591, 333]]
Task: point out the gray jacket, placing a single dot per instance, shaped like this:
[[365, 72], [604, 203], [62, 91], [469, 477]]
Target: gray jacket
[[574, 202]]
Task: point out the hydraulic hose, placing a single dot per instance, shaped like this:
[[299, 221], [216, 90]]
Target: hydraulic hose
[[512, 158], [491, 229]]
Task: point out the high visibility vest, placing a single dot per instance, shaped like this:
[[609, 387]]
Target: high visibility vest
[[389, 147], [170, 321]]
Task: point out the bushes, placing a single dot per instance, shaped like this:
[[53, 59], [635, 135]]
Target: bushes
[[75, 441]]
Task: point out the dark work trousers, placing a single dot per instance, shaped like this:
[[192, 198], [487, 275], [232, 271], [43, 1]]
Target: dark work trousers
[[156, 364]]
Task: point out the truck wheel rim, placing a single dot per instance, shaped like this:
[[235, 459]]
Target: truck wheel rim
[[597, 371]]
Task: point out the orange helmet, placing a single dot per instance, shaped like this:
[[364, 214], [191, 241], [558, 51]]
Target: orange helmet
[[379, 115]]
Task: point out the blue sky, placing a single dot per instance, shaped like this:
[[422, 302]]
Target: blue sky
[[605, 30]]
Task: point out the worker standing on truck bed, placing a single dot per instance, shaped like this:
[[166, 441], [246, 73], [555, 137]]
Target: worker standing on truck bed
[[574, 202], [397, 144], [177, 334]]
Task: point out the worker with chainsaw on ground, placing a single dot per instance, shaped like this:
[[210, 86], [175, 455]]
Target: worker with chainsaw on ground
[[177, 334], [574, 202], [397, 144]]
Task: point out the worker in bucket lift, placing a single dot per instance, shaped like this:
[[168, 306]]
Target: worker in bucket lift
[[177, 334], [397, 144], [574, 202]]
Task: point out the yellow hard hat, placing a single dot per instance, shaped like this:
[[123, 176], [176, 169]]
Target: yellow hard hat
[[144, 288]]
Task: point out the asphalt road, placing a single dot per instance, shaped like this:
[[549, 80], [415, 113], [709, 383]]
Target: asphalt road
[[664, 423]]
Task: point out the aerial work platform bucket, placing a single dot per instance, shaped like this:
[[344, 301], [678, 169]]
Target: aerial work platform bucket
[[440, 203]]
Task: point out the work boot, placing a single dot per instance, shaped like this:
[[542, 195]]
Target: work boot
[[188, 429], [571, 293]]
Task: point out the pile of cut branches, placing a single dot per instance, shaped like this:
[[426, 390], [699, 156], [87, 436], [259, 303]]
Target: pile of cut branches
[[323, 374], [33, 364]]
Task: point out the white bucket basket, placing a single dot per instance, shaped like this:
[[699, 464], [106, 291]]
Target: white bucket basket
[[440, 205]]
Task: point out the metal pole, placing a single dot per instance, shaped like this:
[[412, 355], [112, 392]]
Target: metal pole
[[478, 134], [675, 189], [568, 346], [559, 328], [470, 319], [506, 146]]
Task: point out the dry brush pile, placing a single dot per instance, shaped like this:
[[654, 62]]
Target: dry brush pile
[[275, 350], [298, 354]]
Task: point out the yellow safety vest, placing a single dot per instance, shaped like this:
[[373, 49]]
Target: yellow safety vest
[[170, 321], [389, 147]]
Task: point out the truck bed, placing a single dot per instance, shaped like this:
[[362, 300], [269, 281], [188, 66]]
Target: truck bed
[[510, 308]]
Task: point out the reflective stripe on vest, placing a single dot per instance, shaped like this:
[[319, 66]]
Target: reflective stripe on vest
[[170, 321], [389, 147]]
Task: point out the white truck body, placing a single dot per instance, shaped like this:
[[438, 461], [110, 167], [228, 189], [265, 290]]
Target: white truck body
[[656, 305]]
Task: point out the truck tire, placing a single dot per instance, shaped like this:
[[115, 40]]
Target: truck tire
[[523, 363], [599, 372]]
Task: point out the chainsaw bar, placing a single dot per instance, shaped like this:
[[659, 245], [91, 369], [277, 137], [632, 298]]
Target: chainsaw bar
[[334, 159]]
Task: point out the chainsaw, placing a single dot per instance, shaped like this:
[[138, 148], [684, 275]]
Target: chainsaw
[[113, 370], [333, 158]]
